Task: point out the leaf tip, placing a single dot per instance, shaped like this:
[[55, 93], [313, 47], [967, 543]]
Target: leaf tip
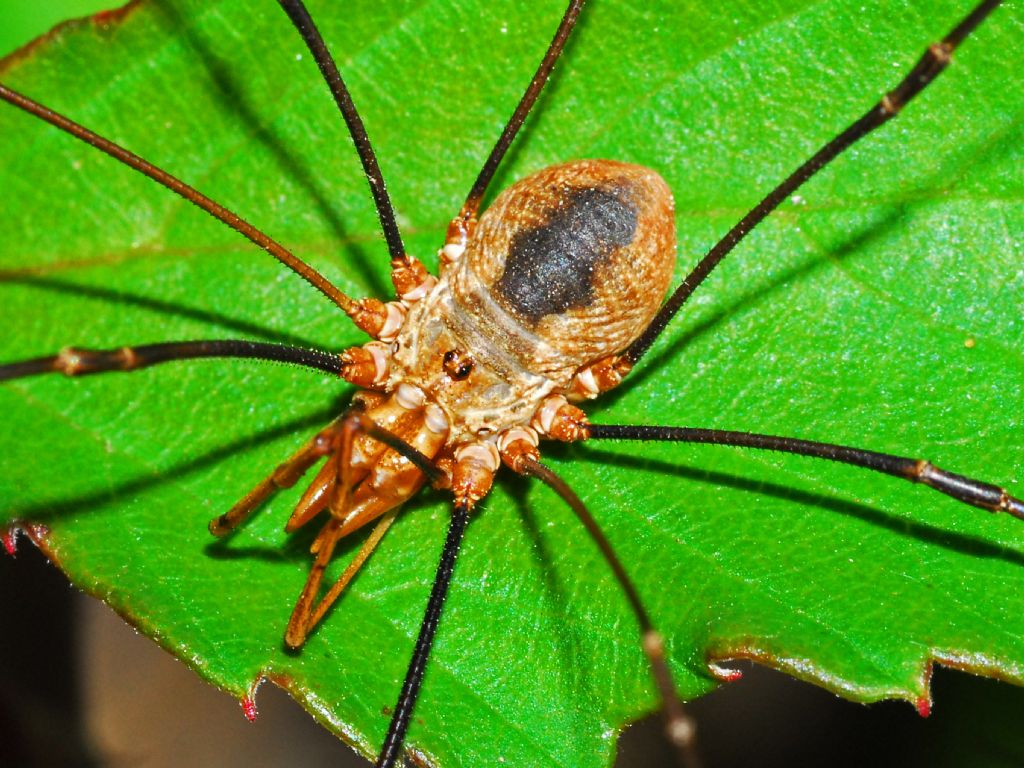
[[249, 708], [10, 540], [35, 531], [248, 701], [725, 674], [924, 705]]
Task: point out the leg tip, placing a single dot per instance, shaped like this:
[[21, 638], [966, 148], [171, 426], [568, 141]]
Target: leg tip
[[294, 639], [220, 526], [681, 731]]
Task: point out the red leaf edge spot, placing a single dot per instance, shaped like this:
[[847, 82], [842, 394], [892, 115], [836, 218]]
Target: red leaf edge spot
[[725, 674], [924, 706], [10, 540], [248, 701], [249, 708]]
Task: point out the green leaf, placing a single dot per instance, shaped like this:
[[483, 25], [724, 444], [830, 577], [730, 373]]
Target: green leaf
[[880, 308], [24, 21]]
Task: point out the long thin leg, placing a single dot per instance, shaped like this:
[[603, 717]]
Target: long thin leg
[[965, 489], [300, 17], [508, 134], [218, 211], [678, 726], [76, 361], [933, 62], [309, 611], [331, 596], [391, 751]]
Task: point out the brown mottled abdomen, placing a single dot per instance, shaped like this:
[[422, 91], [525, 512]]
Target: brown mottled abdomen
[[570, 264]]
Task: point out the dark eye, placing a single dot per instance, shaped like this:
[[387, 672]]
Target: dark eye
[[457, 365]]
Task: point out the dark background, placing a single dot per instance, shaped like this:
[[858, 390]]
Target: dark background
[[79, 687]]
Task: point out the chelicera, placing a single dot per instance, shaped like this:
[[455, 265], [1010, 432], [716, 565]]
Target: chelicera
[[548, 298]]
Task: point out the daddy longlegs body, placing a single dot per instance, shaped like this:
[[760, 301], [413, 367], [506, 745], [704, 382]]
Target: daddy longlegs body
[[466, 467]]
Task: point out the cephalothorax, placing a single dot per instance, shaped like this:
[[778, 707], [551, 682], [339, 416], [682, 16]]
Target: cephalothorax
[[549, 298]]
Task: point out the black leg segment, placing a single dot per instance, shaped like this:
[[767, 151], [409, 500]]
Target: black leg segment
[[965, 489]]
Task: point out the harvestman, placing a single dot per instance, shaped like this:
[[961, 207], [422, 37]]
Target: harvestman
[[551, 297]]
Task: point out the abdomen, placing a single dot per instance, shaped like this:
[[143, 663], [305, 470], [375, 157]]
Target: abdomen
[[570, 264]]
